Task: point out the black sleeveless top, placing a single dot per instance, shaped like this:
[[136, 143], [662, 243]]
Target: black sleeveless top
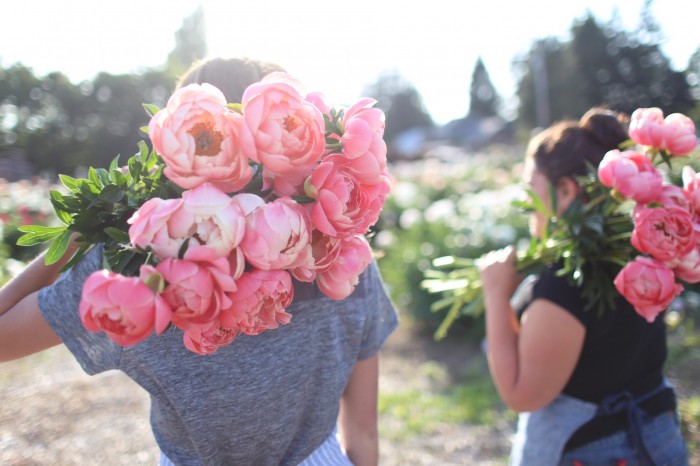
[[621, 352]]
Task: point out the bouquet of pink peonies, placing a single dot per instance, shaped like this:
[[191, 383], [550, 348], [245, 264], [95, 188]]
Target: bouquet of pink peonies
[[631, 232], [207, 230]]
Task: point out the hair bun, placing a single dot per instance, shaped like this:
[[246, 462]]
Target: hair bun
[[605, 127]]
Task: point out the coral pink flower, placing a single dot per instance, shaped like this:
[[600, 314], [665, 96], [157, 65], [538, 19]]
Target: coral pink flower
[[205, 215], [648, 285], [281, 130], [260, 301], [339, 280], [674, 196], [691, 185], [631, 174], [207, 339], [277, 236], [197, 286], [679, 134], [363, 130], [318, 99], [647, 127], [198, 138], [344, 205], [125, 308], [687, 267], [325, 250], [152, 225], [664, 233], [675, 133]]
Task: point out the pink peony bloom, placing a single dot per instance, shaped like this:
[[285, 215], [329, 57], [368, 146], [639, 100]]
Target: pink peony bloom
[[278, 235], [260, 301], [691, 185], [281, 130], [363, 130], [687, 267], [198, 138], [325, 250], [318, 100], [205, 215], [344, 205], [631, 174], [679, 134], [338, 281], [664, 233], [675, 133], [207, 339], [648, 285], [197, 286], [125, 308], [674, 196], [647, 127], [152, 226]]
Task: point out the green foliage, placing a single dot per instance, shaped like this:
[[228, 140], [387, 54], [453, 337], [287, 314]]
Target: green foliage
[[483, 98], [96, 210]]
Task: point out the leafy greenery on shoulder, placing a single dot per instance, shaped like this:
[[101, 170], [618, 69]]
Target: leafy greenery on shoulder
[[591, 242], [96, 210]]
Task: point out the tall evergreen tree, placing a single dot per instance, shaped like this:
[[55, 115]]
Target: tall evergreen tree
[[483, 98], [190, 43]]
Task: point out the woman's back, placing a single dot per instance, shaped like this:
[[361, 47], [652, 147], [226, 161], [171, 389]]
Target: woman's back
[[276, 392]]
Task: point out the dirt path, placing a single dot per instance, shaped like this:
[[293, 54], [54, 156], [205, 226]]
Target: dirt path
[[54, 414]]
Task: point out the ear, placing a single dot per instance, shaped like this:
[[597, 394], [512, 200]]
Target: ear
[[567, 190]]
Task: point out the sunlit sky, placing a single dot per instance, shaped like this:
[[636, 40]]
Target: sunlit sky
[[337, 47]]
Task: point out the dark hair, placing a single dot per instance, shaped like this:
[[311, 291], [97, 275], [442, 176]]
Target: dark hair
[[565, 148], [231, 75]]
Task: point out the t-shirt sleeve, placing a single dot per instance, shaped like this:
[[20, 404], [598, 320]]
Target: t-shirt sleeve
[[59, 305], [561, 292], [382, 318]]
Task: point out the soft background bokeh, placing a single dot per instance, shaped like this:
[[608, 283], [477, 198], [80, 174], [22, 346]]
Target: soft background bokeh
[[463, 86]]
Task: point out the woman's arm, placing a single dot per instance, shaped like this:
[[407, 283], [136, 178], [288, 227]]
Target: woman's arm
[[530, 362], [34, 277], [357, 421], [24, 331]]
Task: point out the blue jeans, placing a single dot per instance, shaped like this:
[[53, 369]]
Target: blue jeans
[[662, 438]]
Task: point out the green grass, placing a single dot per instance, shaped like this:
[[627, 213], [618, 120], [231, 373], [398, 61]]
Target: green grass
[[417, 411]]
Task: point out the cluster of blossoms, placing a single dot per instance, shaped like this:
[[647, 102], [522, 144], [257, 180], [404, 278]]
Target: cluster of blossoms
[[277, 187], [666, 217]]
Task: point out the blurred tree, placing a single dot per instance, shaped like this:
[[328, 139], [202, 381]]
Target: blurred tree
[[190, 43], [483, 98], [693, 78], [600, 66], [401, 103]]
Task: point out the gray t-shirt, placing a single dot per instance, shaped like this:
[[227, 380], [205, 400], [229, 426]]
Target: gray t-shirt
[[264, 400]]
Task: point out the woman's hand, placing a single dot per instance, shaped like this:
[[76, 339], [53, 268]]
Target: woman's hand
[[498, 273]]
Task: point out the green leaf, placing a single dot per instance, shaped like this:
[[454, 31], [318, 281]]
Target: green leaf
[[143, 151], [35, 234], [151, 109], [58, 248], [144, 129], [114, 165], [69, 182], [118, 235], [235, 107], [112, 193], [92, 176]]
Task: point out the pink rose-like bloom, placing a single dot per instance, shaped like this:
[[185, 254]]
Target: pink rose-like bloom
[[674, 196], [363, 129], [198, 286], [325, 250], [344, 205], [205, 215], [632, 174], [648, 285], [679, 134], [198, 138], [277, 236], [281, 130], [318, 99], [687, 267], [207, 339], [664, 233], [691, 185], [675, 133], [153, 225], [339, 280], [125, 308], [260, 301], [647, 127]]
